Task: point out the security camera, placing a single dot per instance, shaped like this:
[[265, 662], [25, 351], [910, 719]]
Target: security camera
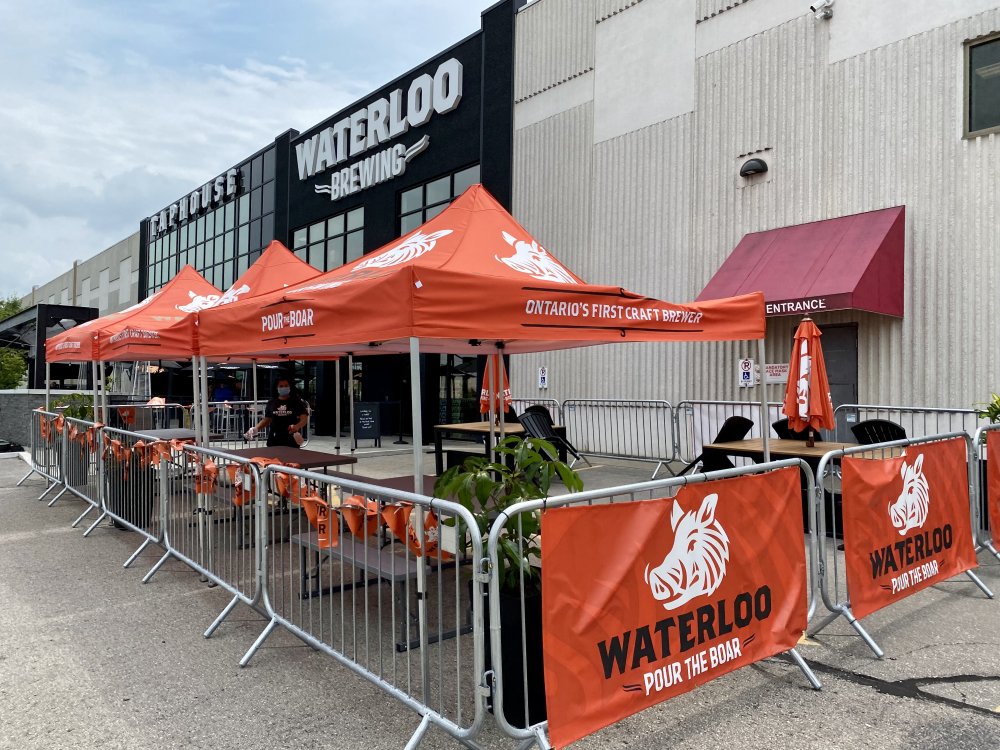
[[822, 10]]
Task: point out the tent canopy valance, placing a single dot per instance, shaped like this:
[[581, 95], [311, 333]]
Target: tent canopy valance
[[470, 276]]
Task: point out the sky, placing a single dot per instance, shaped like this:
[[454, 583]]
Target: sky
[[111, 110]]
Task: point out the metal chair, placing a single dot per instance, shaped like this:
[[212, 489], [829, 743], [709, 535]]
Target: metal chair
[[784, 432], [734, 428], [877, 431], [536, 425]]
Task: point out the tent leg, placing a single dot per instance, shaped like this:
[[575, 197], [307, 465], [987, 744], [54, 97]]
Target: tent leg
[[196, 401], [418, 488], [350, 390], [765, 424], [336, 369], [206, 435], [48, 383]]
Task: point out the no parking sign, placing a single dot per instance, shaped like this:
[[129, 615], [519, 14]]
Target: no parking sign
[[746, 373]]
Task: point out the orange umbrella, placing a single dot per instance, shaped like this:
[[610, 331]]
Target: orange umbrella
[[807, 395], [495, 361]]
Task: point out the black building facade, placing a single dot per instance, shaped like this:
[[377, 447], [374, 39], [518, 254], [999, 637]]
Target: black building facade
[[352, 183]]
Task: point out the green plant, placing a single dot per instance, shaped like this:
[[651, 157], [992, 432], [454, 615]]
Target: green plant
[[990, 409], [75, 405], [487, 489]]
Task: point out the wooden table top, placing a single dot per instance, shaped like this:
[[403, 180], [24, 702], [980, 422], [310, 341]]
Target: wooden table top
[[796, 448], [172, 433], [481, 428], [306, 459], [403, 483]]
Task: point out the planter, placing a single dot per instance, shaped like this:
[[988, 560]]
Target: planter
[[77, 465], [513, 667], [131, 496]]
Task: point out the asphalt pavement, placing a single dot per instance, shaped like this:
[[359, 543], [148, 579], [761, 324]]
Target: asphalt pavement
[[92, 658]]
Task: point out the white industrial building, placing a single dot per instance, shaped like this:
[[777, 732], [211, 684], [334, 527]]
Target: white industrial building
[[635, 118]]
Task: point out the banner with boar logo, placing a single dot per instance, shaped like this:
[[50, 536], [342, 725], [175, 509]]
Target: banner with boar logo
[[643, 601], [906, 523]]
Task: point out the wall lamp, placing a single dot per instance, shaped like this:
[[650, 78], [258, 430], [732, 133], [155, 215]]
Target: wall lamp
[[753, 166]]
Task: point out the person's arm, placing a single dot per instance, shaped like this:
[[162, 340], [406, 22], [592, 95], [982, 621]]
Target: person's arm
[[302, 421], [252, 432]]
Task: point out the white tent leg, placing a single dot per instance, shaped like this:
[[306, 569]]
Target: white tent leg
[[206, 435], [104, 390], [336, 368], [48, 384], [418, 488], [765, 422], [196, 402], [350, 390]]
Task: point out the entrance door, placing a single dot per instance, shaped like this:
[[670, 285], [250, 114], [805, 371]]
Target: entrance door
[[840, 351]]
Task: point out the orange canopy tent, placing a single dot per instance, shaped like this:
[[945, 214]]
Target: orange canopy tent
[[469, 275], [162, 326]]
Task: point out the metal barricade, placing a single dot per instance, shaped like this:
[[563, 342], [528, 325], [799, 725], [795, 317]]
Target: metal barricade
[[46, 449], [621, 428], [386, 583], [519, 726], [229, 421], [986, 532], [834, 591], [697, 423], [554, 407], [81, 463], [209, 521], [130, 470], [917, 421], [142, 416]]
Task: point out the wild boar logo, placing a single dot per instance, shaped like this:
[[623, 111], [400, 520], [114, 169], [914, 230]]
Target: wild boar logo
[[909, 511], [696, 563], [534, 260]]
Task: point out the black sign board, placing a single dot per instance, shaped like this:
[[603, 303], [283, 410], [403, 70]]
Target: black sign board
[[367, 422]]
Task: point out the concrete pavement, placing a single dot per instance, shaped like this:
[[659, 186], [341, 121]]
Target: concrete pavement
[[90, 657]]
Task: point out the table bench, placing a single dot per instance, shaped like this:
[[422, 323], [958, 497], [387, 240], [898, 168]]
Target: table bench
[[374, 565]]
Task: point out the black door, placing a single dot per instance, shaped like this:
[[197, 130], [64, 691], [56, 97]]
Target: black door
[[840, 352]]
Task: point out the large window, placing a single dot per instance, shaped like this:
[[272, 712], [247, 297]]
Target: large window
[[221, 243], [332, 242], [423, 203], [982, 91]]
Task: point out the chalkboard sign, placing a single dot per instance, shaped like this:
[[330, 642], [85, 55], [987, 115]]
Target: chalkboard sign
[[367, 422]]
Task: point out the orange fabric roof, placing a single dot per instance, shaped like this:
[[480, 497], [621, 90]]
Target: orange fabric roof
[[469, 276], [162, 326], [276, 268]]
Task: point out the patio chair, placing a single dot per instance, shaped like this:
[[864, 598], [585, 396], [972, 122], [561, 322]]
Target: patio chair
[[784, 432], [734, 428], [877, 431], [537, 426]]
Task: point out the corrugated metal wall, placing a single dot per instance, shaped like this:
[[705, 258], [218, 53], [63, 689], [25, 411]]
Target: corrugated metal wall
[[659, 209], [538, 63]]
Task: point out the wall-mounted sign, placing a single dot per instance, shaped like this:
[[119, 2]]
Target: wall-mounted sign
[[794, 307], [209, 195], [776, 373], [543, 377], [747, 373], [382, 121]]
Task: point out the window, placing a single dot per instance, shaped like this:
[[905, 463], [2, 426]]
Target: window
[[423, 203], [334, 242], [982, 90]]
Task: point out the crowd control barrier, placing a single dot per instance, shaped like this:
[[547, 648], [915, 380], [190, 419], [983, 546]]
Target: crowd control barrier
[[82, 464], [733, 550], [142, 416], [46, 449], [987, 483], [130, 484], [554, 407], [917, 421], [906, 524], [384, 581], [627, 429], [210, 520], [697, 423]]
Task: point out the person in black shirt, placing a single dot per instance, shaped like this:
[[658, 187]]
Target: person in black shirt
[[286, 414]]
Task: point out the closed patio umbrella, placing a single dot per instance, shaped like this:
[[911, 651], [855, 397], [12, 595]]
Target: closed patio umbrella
[[495, 385], [807, 395]]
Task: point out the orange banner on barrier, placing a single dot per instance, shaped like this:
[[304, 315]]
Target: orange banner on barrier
[[993, 483], [906, 523], [644, 601]]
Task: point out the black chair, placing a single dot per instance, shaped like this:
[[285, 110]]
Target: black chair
[[877, 431], [536, 425], [734, 428], [539, 409], [784, 432]]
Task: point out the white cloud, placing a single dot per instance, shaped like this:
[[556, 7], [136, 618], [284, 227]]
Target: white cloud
[[116, 109]]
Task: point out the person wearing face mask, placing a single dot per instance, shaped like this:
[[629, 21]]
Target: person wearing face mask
[[286, 414]]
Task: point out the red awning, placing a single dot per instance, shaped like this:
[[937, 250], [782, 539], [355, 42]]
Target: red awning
[[849, 263]]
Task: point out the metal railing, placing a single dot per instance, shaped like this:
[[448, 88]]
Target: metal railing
[[46, 449], [917, 421], [553, 406], [374, 578], [630, 429], [82, 463], [698, 422], [834, 590], [137, 417], [519, 721]]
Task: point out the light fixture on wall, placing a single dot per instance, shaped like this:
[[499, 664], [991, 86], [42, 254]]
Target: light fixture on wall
[[753, 166]]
